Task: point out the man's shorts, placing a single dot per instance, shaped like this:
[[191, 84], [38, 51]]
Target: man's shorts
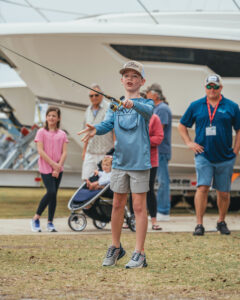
[[218, 175], [129, 181]]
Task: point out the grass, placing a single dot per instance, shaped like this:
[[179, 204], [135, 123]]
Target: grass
[[181, 266], [23, 202], [69, 267]]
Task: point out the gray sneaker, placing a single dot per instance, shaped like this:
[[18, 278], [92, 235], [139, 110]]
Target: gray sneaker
[[113, 254], [138, 260]]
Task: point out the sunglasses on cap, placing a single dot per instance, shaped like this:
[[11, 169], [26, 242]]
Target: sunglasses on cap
[[215, 87], [93, 95]]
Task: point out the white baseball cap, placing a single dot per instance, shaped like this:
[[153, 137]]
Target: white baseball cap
[[214, 78], [133, 65]]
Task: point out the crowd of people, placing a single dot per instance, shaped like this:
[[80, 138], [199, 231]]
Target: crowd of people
[[140, 133]]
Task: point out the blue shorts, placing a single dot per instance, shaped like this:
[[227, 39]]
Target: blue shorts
[[219, 175]]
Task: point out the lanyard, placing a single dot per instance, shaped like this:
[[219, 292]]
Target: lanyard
[[211, 116]]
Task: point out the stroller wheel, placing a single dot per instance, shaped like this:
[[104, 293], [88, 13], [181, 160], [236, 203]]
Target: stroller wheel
[[77, 222], [132, 223], [99, 224]]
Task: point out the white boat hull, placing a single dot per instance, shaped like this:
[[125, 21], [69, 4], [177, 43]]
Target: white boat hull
[[82, 51]]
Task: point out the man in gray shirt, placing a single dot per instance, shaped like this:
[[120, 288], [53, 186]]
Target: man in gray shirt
[[94, 151], [162, 109]]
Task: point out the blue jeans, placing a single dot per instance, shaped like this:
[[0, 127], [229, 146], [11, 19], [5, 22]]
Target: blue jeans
[[163, 194]]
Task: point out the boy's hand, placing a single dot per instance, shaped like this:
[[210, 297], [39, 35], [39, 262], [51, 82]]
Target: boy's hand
[[90, 131], [96, 172], [94, 185], [127, 103]]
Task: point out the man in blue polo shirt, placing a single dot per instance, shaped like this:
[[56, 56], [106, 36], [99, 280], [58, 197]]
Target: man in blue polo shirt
[[214, 117]]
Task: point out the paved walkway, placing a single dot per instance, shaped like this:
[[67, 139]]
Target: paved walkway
[[176, 224]]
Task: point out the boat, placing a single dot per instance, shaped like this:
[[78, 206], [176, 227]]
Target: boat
[[178, 53], [22, 104], [15, 92]]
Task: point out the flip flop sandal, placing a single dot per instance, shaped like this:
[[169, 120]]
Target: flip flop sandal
[[156, 227], [125, 226]]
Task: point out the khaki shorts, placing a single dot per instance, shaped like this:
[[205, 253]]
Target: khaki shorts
[[129, 181]]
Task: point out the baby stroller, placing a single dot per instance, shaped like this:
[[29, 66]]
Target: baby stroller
[[96, 204]]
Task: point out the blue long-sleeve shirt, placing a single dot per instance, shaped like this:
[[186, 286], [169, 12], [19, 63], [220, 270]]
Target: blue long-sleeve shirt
[[132, 145]]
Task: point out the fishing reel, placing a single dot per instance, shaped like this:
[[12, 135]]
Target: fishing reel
[[115, 103], [114, 107]]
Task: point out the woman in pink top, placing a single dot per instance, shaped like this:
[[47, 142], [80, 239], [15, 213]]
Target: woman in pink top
[[52, 148], [156, 136]]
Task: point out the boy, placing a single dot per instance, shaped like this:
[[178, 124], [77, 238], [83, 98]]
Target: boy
[[131, 161]]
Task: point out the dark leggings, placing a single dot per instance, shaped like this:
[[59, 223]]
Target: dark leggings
[[50, 198], [151, 198]]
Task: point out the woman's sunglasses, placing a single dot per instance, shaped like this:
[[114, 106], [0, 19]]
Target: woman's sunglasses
[[215, 87]]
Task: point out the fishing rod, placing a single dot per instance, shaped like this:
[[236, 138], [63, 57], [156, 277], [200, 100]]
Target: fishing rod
[[115, 103]]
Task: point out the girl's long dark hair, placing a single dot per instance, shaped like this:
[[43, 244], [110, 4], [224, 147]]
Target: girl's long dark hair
[[58, 111]]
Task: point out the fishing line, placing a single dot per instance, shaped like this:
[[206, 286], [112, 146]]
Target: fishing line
[[113, 106]]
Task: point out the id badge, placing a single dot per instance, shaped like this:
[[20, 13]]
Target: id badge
[[211, 130]]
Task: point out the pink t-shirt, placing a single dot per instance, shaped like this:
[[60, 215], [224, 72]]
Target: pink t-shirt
[[52, 145]]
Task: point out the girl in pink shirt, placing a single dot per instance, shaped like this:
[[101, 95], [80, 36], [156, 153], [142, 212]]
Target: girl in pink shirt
[[52, 148]]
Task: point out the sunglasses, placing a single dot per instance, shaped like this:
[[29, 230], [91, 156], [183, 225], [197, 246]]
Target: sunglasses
[[215, 87], [93, 95]]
